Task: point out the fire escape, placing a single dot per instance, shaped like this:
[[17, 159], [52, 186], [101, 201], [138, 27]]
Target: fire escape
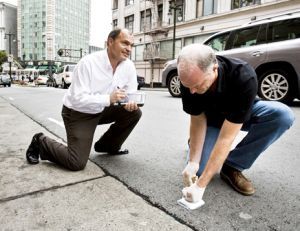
[[154, 32]]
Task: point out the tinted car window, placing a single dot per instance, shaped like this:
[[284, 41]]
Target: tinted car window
[[284, 30], [245, 37], [71, 68], [219, 42]]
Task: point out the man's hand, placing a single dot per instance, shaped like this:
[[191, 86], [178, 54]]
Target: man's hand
[[193, 193], [131, 106], [189, 173], [117, 96]]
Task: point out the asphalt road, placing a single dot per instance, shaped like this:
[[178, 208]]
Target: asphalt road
[[157, 157]]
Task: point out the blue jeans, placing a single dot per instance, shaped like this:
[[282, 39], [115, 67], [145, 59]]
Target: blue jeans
[[268, 121]]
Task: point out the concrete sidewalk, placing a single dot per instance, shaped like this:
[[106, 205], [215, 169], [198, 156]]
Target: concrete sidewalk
[[47, 197]]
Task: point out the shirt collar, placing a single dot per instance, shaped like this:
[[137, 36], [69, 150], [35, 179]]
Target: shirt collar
[[107, 63]]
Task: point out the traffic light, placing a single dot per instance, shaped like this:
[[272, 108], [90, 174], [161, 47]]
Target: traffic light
[[60, 52]]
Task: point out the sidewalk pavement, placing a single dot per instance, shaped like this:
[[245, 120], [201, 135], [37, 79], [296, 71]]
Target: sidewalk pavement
[[47, 197]]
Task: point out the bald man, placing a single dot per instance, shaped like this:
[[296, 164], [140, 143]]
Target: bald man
[[99, 80], [219, 94]]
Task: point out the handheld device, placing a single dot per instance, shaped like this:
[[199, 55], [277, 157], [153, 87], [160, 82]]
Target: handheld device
[[137, 97]]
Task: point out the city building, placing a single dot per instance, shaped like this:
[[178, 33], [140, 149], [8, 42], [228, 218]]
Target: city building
[[8, 28], [94, 48], [45, 26], [162, 27]]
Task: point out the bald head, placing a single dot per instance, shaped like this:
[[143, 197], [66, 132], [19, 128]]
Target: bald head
[[197, 67], [195, 55]]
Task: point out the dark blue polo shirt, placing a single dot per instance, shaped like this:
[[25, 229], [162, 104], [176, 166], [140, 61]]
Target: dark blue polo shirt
[[232, 98]]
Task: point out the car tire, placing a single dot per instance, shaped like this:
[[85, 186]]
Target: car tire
[[174, 85], [64, 85], [275, 85]]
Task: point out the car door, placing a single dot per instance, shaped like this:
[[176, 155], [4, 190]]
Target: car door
[[248, 44]]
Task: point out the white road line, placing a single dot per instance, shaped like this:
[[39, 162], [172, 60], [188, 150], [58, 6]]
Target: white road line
[[57, 122], [11, 98]]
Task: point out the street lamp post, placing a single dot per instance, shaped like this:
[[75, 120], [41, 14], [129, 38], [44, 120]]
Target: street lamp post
[[174, 7], [9, 48]]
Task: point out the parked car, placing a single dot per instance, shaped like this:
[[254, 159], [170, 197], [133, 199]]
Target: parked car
[[141, 81], [5, 80], [41, 78], [63, 76], [271, 46]]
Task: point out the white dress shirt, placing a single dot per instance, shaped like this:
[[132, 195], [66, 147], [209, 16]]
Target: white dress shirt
[[93, 81]]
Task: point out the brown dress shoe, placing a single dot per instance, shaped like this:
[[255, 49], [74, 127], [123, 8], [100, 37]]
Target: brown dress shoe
[[237, 180]]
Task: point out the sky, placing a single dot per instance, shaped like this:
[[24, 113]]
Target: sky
[[101, 17]]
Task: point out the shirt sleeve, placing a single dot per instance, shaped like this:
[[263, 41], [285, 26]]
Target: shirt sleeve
[[245, 96], [81, 89]]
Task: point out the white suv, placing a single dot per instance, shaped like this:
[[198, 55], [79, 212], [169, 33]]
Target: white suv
[[63, 76]]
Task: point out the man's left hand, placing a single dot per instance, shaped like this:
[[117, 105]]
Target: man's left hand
[[193, 193], [131, 106]]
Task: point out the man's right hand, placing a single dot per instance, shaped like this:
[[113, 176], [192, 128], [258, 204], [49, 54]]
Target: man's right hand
[[117, 96], [189, 173]]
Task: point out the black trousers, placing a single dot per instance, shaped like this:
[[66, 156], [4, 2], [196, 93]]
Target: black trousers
[[80, 129]]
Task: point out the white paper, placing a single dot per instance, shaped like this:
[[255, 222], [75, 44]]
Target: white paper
[[190, 206]]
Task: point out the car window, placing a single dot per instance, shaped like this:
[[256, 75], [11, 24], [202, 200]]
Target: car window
[[284, 30], [71, 68], [219, 42], [245, 37]]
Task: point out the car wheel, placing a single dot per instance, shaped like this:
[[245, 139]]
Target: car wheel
[[63, 84], [174, 85], [275, 85]]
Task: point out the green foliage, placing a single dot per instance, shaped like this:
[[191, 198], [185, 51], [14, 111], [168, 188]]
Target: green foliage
[[3, 57]]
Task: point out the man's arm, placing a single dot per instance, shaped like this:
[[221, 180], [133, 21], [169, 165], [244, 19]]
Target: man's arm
[[220, 152], [197, 136]]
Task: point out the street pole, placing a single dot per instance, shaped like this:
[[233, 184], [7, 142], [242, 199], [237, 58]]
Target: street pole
[[174, 30], [174, 7], [9, 50]]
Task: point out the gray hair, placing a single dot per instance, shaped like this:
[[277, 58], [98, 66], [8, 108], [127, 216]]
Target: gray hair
[[196, 54]]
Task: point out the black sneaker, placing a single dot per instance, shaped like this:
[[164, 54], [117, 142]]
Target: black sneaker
[[33, 151]]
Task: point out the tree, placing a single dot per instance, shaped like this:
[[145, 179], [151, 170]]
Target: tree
[[3, 57]]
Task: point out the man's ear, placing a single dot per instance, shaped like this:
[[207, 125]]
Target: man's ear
[[109, 41], [215, 67]]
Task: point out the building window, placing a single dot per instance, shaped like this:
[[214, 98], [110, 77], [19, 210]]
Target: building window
[[129, 22], [129, 2], [146, 22], [115, 4], [209, 7], [242, 3], [160, 14], [199, 8], [115, 23], [166, 48], [188, 41], [139, 50]]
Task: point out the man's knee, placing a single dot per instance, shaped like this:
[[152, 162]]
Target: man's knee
[[138, 114], [285, 116], [77, 165]]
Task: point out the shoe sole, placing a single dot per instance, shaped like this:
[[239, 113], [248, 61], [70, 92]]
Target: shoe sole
[[228, 181]]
